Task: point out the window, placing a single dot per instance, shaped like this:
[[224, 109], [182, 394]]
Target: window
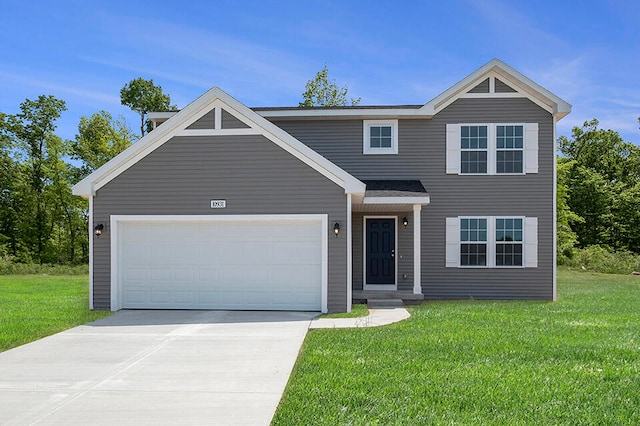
[[509, 149], [473, 239], [492, 242], [509, 242], [492, 149], [473, 145], [380, 137]]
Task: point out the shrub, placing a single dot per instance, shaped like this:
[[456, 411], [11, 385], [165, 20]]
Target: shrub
[[9, 267], [599, 259]]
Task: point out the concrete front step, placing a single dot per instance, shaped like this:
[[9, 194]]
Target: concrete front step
[[384, 303], [360, 295]]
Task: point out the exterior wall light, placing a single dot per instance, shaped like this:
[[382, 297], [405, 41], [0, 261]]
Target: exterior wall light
[[405, 221], [98, 229], [336, 228]]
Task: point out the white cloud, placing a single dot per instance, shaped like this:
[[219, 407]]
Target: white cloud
[[44, 84]]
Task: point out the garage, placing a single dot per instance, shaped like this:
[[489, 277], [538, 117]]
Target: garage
[[258, 262]]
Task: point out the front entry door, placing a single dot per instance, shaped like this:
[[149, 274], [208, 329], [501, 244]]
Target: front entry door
[[381, 251]]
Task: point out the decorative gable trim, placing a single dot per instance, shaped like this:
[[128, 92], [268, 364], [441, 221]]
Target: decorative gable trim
[[496, 69], [215, 99]]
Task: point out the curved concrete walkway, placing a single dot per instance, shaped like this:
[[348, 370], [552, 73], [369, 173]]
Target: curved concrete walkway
[[376, 317]]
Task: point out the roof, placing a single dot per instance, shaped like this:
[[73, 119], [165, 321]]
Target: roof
[[177, 124], [394, 188], [523, 86], [395, 193]]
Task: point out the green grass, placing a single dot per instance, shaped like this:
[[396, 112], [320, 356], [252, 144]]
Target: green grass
[[575, 362], [35, 306], [357, 311]]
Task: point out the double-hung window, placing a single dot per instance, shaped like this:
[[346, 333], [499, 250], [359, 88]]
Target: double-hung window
[[492, 242], [509, 242], [380, 137], [473, 149], [509, 148], [473, 242], [492, 149]]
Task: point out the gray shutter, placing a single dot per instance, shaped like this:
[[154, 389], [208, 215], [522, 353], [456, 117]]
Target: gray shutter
[[531, 147], [531, 242], [452, 242], [453, 149]]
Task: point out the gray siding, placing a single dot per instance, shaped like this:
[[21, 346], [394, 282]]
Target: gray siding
[[503, 88], [421, 155], [231, 122], [404, 250], [184, 174], [481, 88], [207, 121]]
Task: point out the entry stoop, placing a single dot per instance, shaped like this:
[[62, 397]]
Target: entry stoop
[[405, 297], [384, 303]]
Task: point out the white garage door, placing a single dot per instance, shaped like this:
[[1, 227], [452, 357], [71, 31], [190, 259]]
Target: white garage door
[[222, 264]]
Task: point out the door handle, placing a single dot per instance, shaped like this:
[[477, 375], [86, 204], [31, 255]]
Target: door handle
[[393, 253]]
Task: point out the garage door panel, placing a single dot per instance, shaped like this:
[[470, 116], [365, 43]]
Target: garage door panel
[[221, 264], [161, 274]]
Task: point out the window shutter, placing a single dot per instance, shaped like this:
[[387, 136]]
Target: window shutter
[[452, 242], [531, 147], [531, 242], [453, 149]]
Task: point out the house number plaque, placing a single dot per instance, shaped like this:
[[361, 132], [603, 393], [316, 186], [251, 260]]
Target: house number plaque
[[218, 204]]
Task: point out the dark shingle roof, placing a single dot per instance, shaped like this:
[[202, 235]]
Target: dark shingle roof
[[394, 188]]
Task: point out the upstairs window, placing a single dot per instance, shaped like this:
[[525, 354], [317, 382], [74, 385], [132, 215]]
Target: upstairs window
[[380, 137], [492, 149], [473, 149], [509, 149]]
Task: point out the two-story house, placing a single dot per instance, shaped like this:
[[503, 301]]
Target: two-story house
[[223, 206]]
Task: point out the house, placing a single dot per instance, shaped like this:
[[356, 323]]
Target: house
[[223, 206]]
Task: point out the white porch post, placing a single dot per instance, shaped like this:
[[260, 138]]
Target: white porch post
[[349, 256], [417, 287]]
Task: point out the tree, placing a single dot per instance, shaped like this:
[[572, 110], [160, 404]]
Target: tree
[[566, 237], [99, 139], [603, 181], [320, 91], [31, 132], [142, 96]]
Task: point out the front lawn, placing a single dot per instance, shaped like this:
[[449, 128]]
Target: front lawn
[[575, 361], [35, 306]]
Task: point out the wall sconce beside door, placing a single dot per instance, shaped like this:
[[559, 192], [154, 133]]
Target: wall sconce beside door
[[97, 230], [336, 228], [405, 221]]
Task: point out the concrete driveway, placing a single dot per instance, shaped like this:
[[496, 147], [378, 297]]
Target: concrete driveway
[[155, 367]]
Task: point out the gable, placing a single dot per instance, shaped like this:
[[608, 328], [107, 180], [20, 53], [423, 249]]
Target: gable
[[498, 80], [215, 114]]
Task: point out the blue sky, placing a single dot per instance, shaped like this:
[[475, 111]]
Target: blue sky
[[263, 53]]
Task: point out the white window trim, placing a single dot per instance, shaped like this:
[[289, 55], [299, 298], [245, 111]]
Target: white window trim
[[491, 243], [490, 153], [529, 149], [366, 143]]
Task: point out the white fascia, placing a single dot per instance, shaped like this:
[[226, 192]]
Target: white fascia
[[536, 93], [397, 200], [215, 98]]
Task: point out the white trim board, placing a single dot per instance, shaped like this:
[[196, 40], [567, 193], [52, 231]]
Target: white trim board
[[116, 220]]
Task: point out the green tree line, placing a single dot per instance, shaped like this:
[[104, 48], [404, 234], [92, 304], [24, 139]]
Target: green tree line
[[598, 176], [40, 220]]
